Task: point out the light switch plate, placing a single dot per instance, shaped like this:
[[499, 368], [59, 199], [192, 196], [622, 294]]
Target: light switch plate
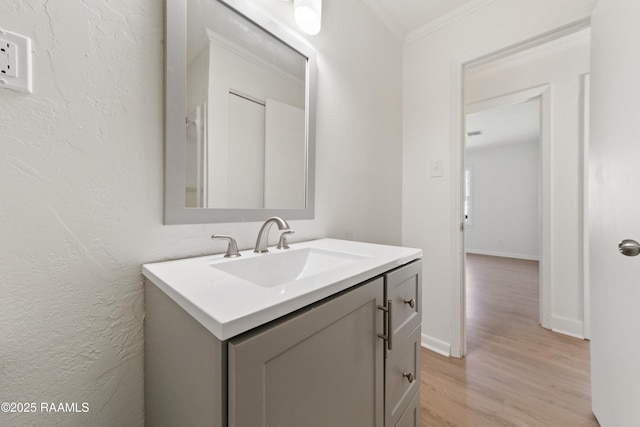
[[436, 168], [15, 61]]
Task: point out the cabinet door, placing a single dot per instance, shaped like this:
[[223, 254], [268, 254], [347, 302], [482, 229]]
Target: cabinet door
[[321, 367]]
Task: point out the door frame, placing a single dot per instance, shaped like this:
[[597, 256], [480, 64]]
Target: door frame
[[459, 65], [586, 117]]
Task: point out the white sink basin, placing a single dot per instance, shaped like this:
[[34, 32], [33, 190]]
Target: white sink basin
[[229, 296], [274, 269]]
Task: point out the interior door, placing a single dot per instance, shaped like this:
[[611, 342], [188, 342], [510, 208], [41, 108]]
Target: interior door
[[614, 202]]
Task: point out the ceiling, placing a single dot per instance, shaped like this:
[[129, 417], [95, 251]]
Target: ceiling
[[405, 16], [510, 124]]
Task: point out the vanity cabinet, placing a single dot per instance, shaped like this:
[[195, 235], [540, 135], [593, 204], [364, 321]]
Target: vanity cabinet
[[328, 364]]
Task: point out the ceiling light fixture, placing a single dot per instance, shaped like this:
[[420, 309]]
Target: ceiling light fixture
[[308, 15]]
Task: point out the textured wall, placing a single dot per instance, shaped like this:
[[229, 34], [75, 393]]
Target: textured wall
[[81, 190]]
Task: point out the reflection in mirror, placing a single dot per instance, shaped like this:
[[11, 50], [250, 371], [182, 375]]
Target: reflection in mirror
[[245, 150], [245, 104]]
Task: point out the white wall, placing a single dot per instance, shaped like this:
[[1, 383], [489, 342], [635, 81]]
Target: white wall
[[81, 181], [504, 200], [430, 215]]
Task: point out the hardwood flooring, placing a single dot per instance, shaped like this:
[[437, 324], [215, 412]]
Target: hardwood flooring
[[516, 373]]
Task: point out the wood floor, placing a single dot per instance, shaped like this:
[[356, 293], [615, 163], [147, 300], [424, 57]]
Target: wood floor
[[516, 373]]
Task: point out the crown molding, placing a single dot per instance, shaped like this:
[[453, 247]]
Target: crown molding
[[451, 17]]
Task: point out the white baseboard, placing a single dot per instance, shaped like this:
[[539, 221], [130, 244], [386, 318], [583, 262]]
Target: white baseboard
[[436, 345], [503, 254], [571, 327]]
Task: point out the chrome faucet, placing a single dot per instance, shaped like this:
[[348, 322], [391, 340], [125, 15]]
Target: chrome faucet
[[263, 234]]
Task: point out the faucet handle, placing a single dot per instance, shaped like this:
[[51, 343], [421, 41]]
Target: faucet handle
[[232, 249], [282, 243]]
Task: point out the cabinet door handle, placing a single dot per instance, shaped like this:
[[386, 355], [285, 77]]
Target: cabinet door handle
[[411, 302], [388, 324], [409, 376]]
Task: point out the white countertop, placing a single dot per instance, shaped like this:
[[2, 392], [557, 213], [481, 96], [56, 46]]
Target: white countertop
[[227, 305]]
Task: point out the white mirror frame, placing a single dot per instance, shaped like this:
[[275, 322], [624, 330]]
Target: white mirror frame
[[175, 211]]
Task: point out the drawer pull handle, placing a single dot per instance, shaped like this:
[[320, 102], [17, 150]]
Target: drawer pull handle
[[409, 376], [411, 302], [388, 324]]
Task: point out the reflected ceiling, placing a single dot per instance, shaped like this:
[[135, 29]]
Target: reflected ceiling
[[510, 124]]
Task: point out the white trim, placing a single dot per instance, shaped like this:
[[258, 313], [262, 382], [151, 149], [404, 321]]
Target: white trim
[[542, 50], [507, 99], [436, 345], [546, 207], [562, 325], [549, 34], [586, 274], [503, 254], [458, 273], [447, 19]]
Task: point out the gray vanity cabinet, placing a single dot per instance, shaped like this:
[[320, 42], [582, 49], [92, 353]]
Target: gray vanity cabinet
[[323, 365]]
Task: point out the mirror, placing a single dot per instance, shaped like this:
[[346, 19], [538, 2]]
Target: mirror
[[240, 115]]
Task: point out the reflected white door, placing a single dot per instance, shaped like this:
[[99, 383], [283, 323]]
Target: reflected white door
[[284, 156], [614, 197], [245, 153]]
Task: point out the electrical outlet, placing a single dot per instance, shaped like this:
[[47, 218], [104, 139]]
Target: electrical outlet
[[8, 66], [15, 61]]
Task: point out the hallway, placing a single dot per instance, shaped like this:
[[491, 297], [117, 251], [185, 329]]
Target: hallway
[[516, 373]]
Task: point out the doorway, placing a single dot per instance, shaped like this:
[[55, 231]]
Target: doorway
[[501, 203], [501, 180], [554, 64]]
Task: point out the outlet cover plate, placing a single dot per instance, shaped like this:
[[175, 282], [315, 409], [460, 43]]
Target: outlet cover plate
[[15, 61]]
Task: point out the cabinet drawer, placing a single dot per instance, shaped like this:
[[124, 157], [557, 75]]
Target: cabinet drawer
[[403, 363], [411, 415], [404, 290]]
